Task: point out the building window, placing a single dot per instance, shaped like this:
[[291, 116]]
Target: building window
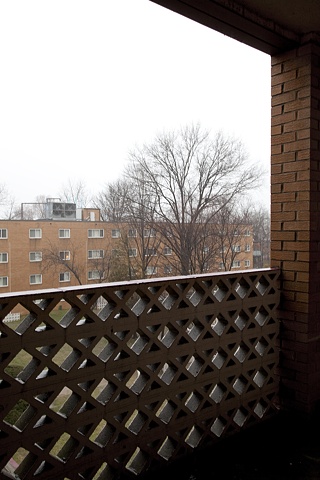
[[247, 263], [132, 252], [247, 248], [36, 279], [35, 233], [64, 255], [247, 233], [205, 250], [150, 252], [4, 257], [167, 269], [167, 251], [64, 232], [95, 254], [95, 233], [149, 232], [132, 233], [3, 233], [236, 248], [235, 264], [151, 270], [94, 275], [35, 256], [64, 277], [115, 233], [4, 281]]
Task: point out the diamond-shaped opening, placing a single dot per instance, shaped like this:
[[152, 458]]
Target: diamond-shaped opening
[[260, 409], [64, 447], [218, 427], [137, 381], [240, 417], [99, 304], [47, 350], [260, 378], [219, 358], [168, 336], [136, 422], [261, 346], [66, 357], [240, 384], [167, 373], [104, 348], [137, 343], [241, 320], [140, 304], [241, 352], [193, 401], [20, 415], [195, 329], [102, 434], [219, 324], [262, 285], [220, 291], [104, 391], [137, 462], [133, 299], [84, 320], [18, 320], [64, 314], [194, 365], [86, 342], [104, 473], [108, 306], [22, 366], [261, 316], [43, 397], [195, 295], [170, 296], [242, 288], [218, 392], [85, 407], [167, 448], [193, 438], [17, 459], [65, 402], [165, 411]]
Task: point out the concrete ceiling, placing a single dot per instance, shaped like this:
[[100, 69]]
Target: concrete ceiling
[[271, 26]]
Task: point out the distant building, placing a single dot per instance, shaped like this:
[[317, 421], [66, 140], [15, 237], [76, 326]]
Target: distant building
[[73, 246]]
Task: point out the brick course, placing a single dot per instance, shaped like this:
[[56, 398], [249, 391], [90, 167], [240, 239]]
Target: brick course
[[295, 227]]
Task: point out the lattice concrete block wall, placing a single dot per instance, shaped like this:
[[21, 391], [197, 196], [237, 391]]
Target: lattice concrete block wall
[[135, 375]]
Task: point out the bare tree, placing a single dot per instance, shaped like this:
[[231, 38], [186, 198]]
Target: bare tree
[[190, 177], [8, 207], [112, 201], [75, 192], [260, 220], [231, 228], [128, 204], [69, 259]]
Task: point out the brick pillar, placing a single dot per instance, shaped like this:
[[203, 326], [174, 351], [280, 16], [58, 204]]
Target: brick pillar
[[295, 215]]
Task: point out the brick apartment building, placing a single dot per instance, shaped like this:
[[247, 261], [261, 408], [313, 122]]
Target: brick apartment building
[[71, 247]]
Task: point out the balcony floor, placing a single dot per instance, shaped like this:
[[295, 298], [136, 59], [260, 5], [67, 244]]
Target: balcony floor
[[277, 451]]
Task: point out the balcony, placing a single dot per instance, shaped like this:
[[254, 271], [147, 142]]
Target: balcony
[[123, 378]]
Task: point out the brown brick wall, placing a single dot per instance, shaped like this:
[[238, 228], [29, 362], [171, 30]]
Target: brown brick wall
[[295, 204], [18, 245]]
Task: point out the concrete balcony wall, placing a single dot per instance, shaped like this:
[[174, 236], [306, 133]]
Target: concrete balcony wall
[[132, 376]]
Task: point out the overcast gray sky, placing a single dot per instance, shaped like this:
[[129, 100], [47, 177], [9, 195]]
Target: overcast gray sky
[[83, 82]]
